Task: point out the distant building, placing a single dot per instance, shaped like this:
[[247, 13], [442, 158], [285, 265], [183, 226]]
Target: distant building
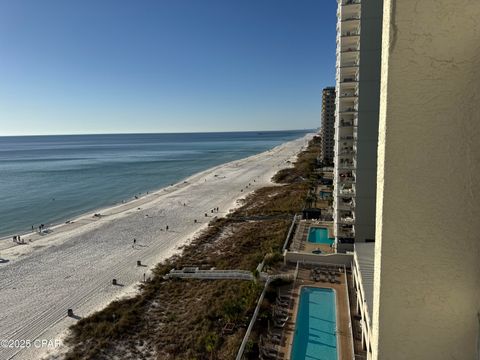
[[359, 35], [327, 129]]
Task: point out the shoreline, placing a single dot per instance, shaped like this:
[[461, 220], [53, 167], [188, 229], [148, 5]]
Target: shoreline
[[6, 243], [93, 252], [61, 220]]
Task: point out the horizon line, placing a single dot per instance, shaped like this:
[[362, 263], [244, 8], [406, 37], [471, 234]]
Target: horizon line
[[156, 133]]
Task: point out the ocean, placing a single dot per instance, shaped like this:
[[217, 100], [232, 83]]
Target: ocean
[[50, 179]]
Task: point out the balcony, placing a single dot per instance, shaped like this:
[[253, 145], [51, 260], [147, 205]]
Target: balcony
[[348, 95], [346, 164], [345, 204], [347, 150], [350, 2], [347, 64], [351, 18], [350, 49], [351, 110], [348, 220], [351, 79], [346, 191], [346, 232], [347, 34]]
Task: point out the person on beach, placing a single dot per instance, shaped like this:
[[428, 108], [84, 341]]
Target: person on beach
[[134, 242], [166, 228]]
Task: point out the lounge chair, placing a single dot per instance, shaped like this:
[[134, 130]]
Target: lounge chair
[[282, 303], [266, 354], [283, 298], [281, 318], [281, 309], [274, 339], [279, 325]]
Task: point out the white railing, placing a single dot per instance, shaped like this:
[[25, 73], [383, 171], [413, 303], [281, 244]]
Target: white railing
[[287, 239], [212, 274], [349, 314], [252, 322]]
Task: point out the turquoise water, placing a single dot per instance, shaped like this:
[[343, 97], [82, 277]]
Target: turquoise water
[[315, 330], [325, 194], [319, 235], [49, 179]]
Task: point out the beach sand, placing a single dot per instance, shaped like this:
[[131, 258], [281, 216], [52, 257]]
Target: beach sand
[[73, 266]]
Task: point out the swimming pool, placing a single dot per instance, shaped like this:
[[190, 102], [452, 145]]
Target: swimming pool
[[315, 329], [324, 195], [319, 236]]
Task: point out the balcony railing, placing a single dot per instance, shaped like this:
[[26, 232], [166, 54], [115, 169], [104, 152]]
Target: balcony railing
[[348, 110], [347, 65], [349, 79], [350, 49], [347, 95], [346, 166], [350, 2], [346, 233], [350, 34], [350, 191], [351, 18], [347, 179], [347, 220]]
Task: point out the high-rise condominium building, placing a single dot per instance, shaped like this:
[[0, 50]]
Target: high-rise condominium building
[[359, 33], [426, 301], [327, 130]]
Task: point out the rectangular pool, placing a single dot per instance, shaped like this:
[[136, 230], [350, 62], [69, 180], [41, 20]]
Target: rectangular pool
[[324, 195], [319, 235], [315, 329]]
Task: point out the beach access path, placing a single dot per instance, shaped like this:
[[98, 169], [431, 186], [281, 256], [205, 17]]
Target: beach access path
[[73, 266]]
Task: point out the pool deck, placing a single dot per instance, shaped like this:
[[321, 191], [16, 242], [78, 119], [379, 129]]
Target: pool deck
[[344, 335], [300, 241]]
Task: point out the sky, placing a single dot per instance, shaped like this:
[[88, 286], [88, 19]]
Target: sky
[[139, 66]]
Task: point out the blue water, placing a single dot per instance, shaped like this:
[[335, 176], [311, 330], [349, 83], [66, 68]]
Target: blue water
[[49, 179], [319, 235], [315, 329], [325, 195]]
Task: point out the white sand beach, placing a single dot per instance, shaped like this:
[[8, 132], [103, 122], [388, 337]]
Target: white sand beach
[[73, 266]]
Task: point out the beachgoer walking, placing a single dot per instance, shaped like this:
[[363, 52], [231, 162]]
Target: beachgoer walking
[[166, 228], [134, 242]]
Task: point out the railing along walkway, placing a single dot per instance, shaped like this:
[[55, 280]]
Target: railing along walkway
[[212, 274]]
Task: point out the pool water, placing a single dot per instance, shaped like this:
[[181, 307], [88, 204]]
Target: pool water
[[325, 195], [315, 329], [319, 235]]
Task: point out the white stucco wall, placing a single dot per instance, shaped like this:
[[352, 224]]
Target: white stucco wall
[[427, 275]]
